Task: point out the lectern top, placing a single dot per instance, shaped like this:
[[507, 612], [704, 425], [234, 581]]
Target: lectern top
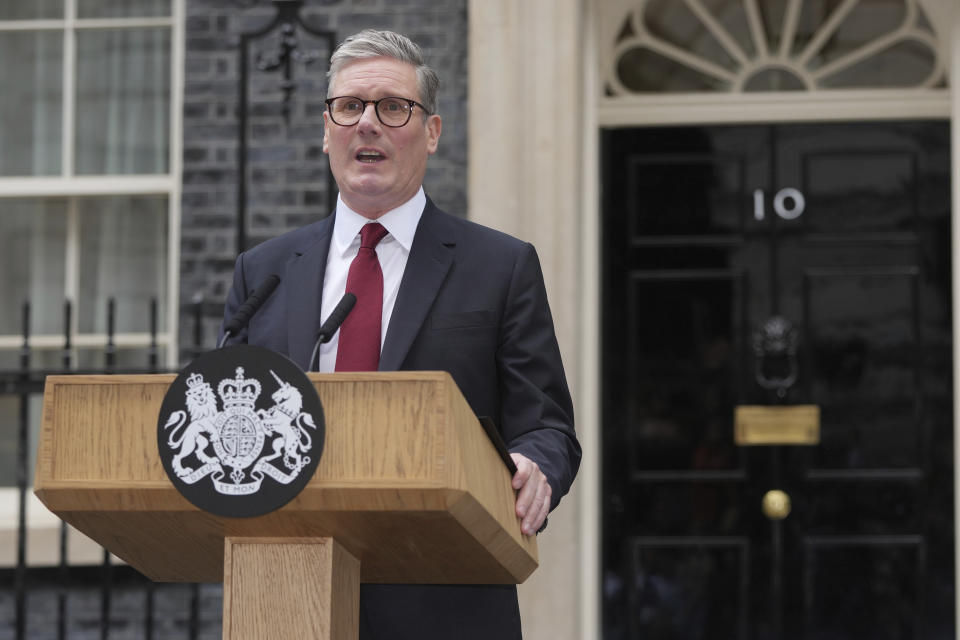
[[408, 482]]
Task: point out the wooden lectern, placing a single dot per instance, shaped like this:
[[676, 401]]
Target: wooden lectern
[[409, 489]]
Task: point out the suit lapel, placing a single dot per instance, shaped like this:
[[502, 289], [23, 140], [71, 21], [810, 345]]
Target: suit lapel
[[430, 258], [303, 310]]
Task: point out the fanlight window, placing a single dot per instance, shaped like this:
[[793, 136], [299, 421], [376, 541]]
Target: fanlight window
[[774, 45]]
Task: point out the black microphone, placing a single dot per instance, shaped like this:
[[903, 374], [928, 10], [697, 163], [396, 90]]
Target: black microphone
[[249, 307], [334, 320]]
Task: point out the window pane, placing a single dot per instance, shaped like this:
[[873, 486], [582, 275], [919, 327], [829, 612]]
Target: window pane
[[123, 255], [905, 64], [30, 102], [35, 10], [123, 101], [32, 243], [122, 8]]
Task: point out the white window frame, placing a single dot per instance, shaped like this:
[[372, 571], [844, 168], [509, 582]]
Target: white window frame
[[42, 526], [70, 186]]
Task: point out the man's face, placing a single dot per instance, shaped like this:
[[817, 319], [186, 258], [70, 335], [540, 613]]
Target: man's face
[[377, 167]]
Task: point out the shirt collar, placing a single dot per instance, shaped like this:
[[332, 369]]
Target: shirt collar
[[401, 223]]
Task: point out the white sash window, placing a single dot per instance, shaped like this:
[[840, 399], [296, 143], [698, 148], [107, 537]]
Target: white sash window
[[89, 173], [90, 100]]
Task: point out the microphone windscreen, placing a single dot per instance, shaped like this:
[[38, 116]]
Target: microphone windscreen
[[252, 304]]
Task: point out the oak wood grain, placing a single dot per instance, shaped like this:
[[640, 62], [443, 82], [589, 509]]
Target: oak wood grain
[[290, 588]]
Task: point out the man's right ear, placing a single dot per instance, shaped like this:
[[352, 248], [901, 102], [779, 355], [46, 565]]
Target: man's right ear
[[326, 130]]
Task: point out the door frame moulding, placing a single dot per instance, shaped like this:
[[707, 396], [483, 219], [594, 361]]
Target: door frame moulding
[[525, 165], [954, 74], [728, 108]]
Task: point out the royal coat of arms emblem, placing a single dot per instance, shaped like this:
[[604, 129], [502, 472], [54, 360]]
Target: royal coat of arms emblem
[[225, 440]]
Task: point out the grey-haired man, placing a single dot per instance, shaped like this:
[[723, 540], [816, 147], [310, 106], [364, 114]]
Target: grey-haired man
[[456, 297]]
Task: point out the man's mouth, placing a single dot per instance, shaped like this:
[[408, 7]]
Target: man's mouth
[[369, 156]]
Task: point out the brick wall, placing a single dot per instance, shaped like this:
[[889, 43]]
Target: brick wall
[[287, 178]]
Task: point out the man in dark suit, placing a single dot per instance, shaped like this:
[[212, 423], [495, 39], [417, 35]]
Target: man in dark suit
[[435, 292]]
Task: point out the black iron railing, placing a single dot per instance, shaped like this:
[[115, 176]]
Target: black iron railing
[[41, 596]]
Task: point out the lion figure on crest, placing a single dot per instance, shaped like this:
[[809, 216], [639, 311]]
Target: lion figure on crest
[[202, 406], [286, 419]]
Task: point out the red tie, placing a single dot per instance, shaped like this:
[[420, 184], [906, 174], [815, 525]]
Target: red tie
[[359, 344]]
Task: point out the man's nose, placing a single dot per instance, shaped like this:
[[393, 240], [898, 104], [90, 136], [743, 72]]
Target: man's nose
[[369, 121]]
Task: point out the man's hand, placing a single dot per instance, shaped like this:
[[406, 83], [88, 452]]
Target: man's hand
[[533, 494]]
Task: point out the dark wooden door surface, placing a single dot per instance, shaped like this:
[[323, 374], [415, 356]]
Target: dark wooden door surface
[[843, 231]]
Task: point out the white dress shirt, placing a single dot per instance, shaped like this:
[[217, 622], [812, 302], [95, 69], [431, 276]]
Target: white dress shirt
[[393, 251]]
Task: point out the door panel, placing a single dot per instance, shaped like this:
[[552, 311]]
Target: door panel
[[842, 230], [882, 578]]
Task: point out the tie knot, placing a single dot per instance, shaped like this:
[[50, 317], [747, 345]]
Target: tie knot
[[371, 234]]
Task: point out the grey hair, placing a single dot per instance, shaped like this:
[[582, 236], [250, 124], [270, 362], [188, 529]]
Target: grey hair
[[371, 43]]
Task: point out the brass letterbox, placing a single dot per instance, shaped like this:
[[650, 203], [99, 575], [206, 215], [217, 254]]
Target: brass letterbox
[[777, 425]]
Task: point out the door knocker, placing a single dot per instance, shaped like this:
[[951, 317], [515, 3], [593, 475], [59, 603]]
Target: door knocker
[[775, 352]]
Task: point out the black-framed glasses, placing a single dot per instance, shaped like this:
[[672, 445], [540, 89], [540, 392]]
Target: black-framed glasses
[[391, 111]]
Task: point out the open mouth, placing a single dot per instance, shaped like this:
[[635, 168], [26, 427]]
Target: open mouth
[[369, 156]]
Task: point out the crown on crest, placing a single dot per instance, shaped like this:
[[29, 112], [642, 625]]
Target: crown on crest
[[238, 391], [195, 380]]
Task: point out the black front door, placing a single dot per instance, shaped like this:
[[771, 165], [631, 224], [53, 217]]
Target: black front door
[[831, 239]]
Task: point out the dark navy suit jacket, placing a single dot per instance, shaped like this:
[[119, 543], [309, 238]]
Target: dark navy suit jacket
[[471, 302]]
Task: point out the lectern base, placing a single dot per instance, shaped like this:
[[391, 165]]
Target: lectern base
[[290, 588]]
